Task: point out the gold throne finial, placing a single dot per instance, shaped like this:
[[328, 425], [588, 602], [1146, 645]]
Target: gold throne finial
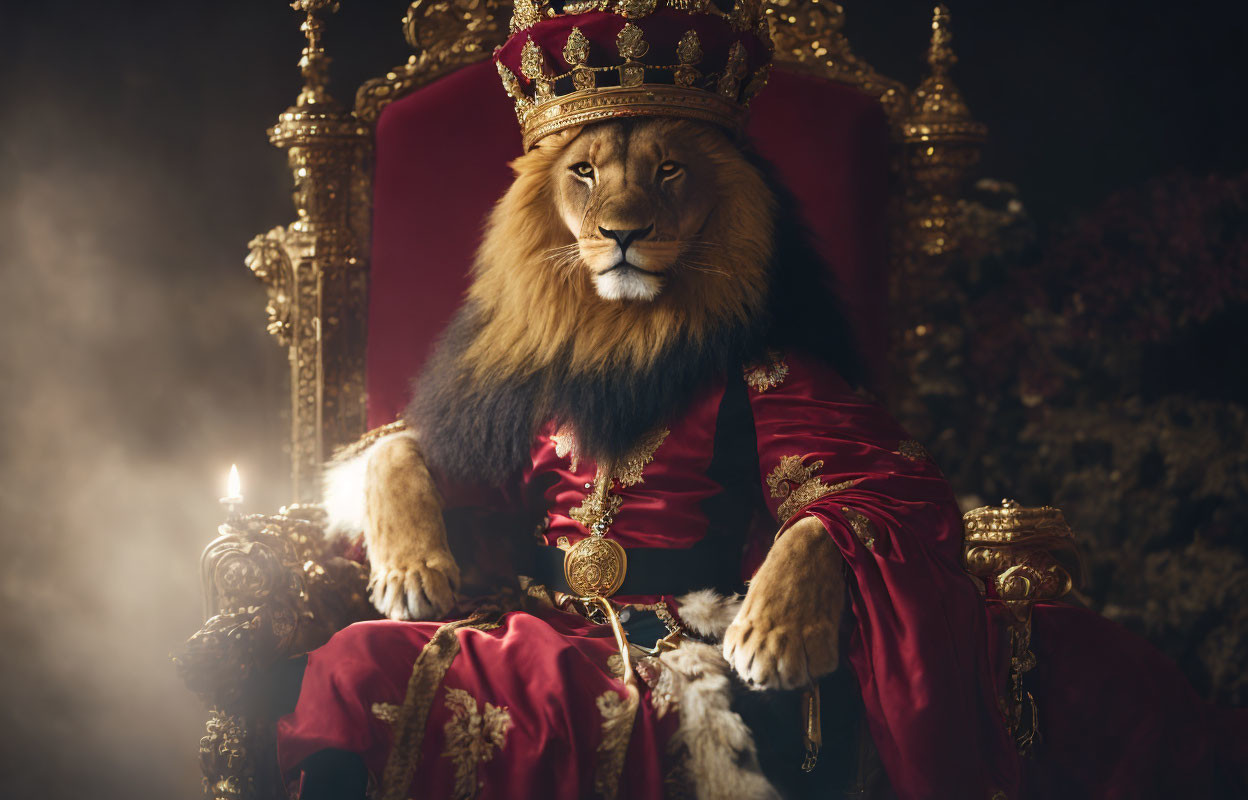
[[942, 142], [314, 63]]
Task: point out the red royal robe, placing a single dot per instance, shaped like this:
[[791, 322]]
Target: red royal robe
[[524, 706]]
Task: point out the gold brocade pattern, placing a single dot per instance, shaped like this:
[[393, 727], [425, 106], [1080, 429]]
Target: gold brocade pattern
[[799, 485], [762, 377], [409, 726], [386, 712], [473, 735], [863, 527], [599, 508], [565, 447], [618, 714], [640, 457], [601, 505]]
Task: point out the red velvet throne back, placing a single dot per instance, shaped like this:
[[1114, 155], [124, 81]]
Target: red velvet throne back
[[441, 162]]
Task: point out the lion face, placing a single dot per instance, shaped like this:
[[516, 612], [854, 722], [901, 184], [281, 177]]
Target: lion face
[[617, 241], [636, 198]]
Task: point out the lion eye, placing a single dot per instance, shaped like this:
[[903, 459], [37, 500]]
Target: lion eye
[[669, 169], [583, 169]]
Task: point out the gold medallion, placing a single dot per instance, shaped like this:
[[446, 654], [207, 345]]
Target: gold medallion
[[595, 567]]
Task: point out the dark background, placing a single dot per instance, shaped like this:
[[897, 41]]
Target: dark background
[[134, 170]]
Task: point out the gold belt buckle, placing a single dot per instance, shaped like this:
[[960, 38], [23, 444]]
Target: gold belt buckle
[[595, 566]]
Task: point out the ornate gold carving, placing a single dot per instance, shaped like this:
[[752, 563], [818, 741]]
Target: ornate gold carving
[[689, 52], [618, 714], [447, 35], [689, 48], [808, 35], [595, 567], [228, 766], [473, 735], [1025, 555], [799, 485], [315, 269], [635, 9], [576, 53], [943, 144], [533, 61], [614, 102], [274, 587], [757, 83], [762, 377], [525, 15], [729, 85], [863, 527]]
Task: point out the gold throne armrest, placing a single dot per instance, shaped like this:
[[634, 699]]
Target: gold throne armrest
[[275, 588]]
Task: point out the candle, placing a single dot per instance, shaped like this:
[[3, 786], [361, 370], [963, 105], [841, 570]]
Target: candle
[[233, 491]]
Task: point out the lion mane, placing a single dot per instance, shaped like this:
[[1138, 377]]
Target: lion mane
[[533, 343]]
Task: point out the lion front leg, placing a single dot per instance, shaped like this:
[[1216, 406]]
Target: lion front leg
[[414, 576], [785, 636]]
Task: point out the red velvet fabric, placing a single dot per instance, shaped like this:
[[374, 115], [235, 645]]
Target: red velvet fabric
[[441, 162]]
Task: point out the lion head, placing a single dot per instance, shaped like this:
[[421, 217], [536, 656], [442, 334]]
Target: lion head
[[617, 239]]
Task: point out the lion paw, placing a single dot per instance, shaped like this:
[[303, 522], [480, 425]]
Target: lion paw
[[771, 655], [424, 591], [786, 634]]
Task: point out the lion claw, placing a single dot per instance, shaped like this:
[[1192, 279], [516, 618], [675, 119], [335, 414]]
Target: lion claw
[[424, 591]]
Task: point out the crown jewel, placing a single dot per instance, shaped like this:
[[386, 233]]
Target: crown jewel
[[577, 62]]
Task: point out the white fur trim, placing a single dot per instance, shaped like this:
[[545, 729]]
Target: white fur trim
[[707, 613], [343, 489], [721, 762]]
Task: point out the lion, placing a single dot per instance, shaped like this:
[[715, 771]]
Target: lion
[[625, 253]]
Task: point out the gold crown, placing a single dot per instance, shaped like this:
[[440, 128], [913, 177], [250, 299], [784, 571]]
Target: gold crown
[[623, 76]]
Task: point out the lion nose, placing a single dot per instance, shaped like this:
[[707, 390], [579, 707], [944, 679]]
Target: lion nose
[[625, 237]]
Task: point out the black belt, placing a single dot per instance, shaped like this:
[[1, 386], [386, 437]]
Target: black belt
[[656, 570]]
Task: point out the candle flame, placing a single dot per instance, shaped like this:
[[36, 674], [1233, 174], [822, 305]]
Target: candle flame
[[234, 487]]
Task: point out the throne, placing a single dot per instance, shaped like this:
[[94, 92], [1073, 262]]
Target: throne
[[373, 266]]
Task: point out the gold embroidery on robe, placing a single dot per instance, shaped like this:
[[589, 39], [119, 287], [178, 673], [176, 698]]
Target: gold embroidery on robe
[[409, 724], [386, 712], [618, 715], [762, 377], [473, 736], [601, 504], [799, 485], [863, 527], [565, 447]]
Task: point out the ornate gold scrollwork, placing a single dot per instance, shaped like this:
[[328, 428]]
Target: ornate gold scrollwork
[[274, 587], [943, 143], [807, 35], [315, 269], [446, 35], [1025, 555]]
